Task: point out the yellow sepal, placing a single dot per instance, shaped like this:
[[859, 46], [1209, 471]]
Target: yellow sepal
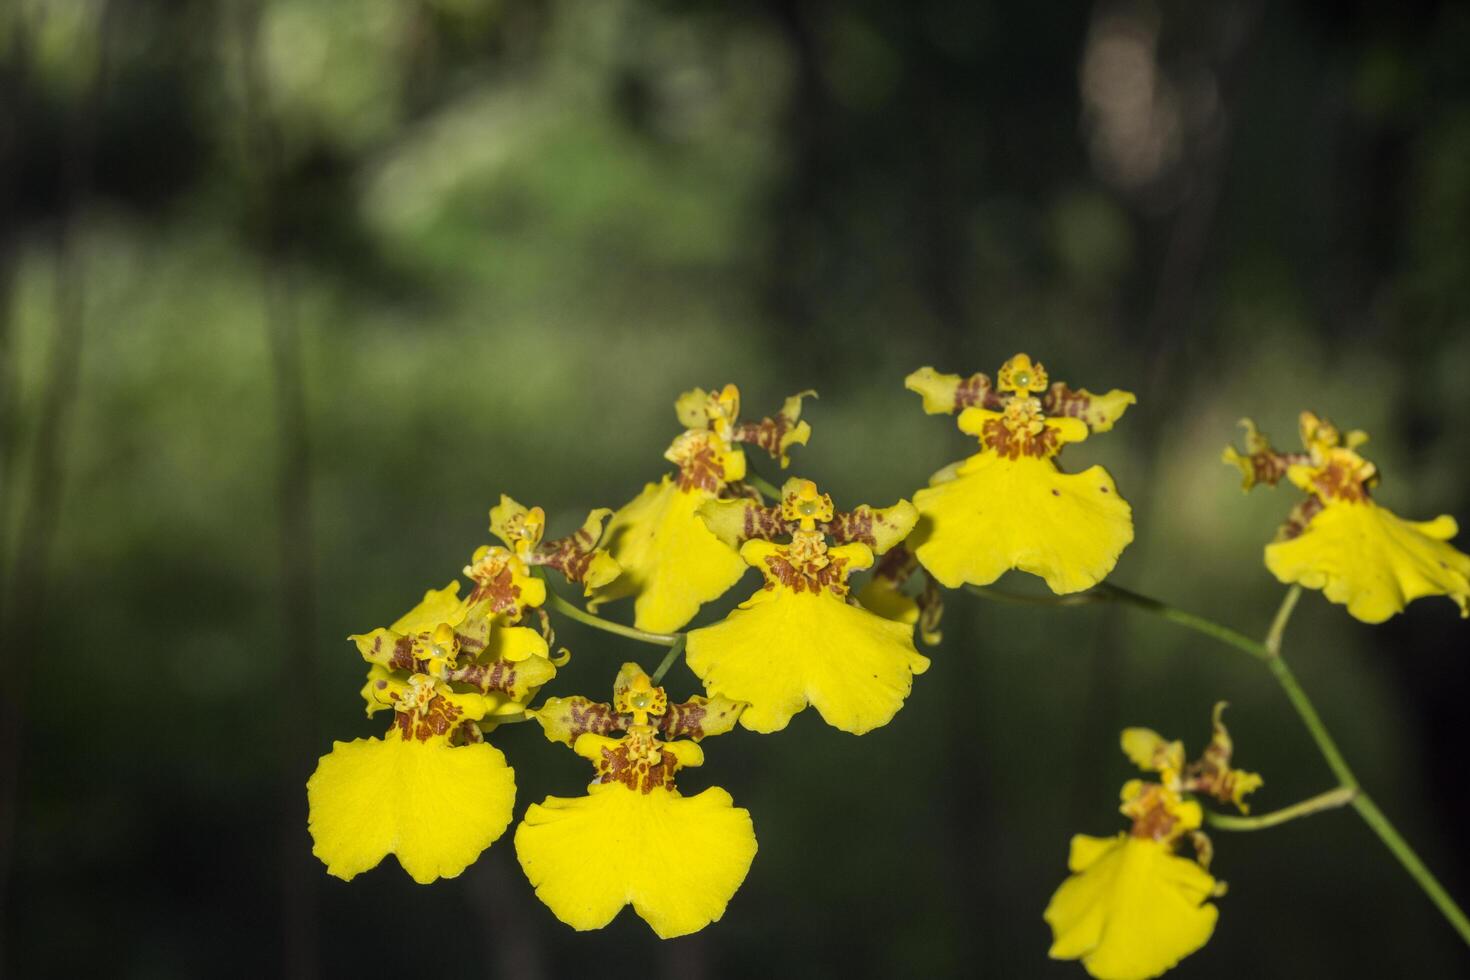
[[938, 390], [1151, 752]]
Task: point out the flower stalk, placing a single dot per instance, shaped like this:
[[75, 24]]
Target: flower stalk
[[1330, 800], [1269, 652], [608, 626]]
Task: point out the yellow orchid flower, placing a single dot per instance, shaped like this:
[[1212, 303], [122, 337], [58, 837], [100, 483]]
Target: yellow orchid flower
[[1010, 506], [634, 839], [670, 561], [1340, 540], [798, 640], [1133, 907], [430, 792], [450, 669]]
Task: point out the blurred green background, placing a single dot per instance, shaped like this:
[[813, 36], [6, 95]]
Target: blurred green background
[[292, 290]]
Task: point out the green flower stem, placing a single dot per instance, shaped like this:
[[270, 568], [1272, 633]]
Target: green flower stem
[[597, 622], [1188, 620], [1330, 800], [764, 486], [675, 652], [1269, 653]]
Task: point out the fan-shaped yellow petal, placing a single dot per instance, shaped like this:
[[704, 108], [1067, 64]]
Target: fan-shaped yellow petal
[[1131, 909], [671, 562], [781, 650], [435, 806], [1366, 557], [997, 514], [677, 860]]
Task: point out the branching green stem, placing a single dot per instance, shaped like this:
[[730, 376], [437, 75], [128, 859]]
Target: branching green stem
[[1269, 653], [1330, 800]]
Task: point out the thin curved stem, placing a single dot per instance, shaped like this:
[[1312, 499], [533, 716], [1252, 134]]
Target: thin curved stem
[[1188, 620], [1387, 833], [1269, 653], [766, 487], [1330, 800], [1283, 616], [606, 625], [670, 658]]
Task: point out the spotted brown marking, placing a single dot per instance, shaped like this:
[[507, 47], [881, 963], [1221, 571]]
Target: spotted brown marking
[[1269, 467], [584, 715], [499, 588], [437, 718], [1152, 819], [1013, 445], [701, 470], [764, 523], [499, 675], [931, 609], [468, 733], [402, 657], [896, 566], [977, 391], [1301, 515], [636, 767], [572, 555], [807, 578], [683, 720], [1339, 481], [740, 491], [766, 434], [473, 639]]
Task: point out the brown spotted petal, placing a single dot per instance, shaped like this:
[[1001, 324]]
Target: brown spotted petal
[[880, 528], [700, 717], [945, 394], [778, 434], [563, 719], [516, 680], [1260, 463], [736, 521], [577, 556], [1212, 774], [1098, 411]]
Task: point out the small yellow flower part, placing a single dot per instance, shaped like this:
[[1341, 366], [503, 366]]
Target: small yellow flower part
[[1132, 908], [1149, 751], [634, 839], [564, 720], [462, 642], [671, 564], [798, 641], [1010, 506], [1340, 540], [416, 794]]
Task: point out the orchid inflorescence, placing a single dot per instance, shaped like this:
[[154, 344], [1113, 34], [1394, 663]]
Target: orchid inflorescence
[[435, 793]]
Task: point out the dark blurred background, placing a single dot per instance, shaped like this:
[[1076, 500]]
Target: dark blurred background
[[292, 290]]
